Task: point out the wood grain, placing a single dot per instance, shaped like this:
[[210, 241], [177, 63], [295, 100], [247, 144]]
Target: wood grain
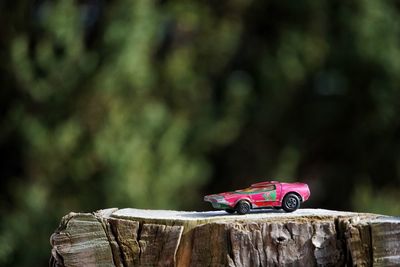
[[132, 237]]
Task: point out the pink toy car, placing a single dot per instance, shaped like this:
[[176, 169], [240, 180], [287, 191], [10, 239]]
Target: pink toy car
[[271, 194]]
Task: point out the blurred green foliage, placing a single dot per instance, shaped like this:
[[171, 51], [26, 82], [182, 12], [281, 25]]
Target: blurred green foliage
[[152, 104]]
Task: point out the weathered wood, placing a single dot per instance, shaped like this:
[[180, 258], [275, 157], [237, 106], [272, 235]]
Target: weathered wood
[[307, 237]]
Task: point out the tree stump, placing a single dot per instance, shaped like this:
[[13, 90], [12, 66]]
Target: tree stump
[[307, 237]]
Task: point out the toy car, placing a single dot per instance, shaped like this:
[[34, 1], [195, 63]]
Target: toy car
[[270, 194]]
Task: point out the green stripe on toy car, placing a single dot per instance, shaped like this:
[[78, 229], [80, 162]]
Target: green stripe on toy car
[[220, 206], [270, 196]]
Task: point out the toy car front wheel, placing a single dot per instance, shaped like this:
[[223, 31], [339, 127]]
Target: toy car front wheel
[[243, 207], [291, 202], [230, 211]]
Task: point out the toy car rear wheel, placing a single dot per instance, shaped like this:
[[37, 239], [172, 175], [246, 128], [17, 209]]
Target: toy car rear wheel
[[243, 207], [230, 211], [291, 202]]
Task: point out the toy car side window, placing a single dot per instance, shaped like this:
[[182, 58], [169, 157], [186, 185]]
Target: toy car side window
[[270, 188]]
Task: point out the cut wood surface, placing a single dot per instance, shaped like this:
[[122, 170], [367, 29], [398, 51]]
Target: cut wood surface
[[306, 237]]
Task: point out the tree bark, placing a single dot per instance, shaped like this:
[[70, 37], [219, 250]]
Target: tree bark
[[307, 237]]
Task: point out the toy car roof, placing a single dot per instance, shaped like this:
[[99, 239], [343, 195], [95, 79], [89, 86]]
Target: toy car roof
[[266, 183]]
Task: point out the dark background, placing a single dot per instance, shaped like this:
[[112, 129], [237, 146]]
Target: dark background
[[152, 104]]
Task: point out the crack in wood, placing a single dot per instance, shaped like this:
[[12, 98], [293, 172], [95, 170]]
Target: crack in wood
[[138, 235]]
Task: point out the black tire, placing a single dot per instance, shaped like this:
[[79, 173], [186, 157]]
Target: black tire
[[230, 211], [291, 202], [243, 207]]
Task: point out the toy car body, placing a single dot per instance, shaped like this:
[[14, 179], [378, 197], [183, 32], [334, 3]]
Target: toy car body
[[269, 194]]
